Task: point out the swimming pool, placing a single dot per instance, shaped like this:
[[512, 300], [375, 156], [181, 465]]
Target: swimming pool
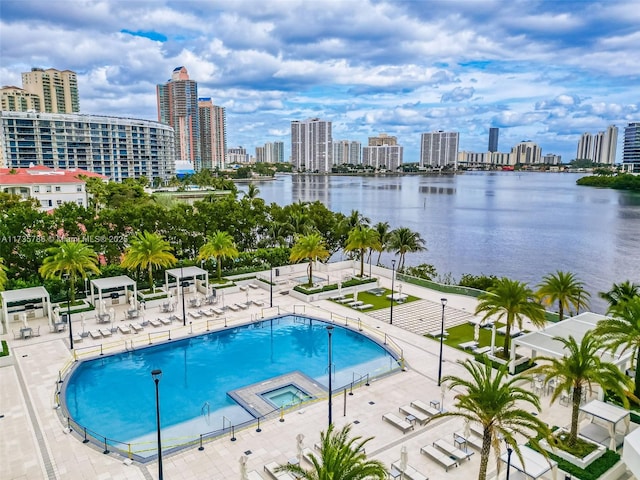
[[114, 396]]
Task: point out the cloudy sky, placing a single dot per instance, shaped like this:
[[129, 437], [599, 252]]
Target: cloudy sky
[[545, 71]]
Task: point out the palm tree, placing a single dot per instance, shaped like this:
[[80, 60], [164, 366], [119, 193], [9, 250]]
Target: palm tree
[[621, 292], [74, 259], [499, 403], [148, 251], [252, 191], [384, 234], [511, 300], [564, 288], [361, 238], [219, 246], [623, 330], [578, 370], [3, 275], [309, 247], [404, 240], [341, 458]]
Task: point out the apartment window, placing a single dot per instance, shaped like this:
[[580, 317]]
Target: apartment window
[[58, 188], [78, 188], [36, 189], [48, 188], [80, 201], [59, 202]]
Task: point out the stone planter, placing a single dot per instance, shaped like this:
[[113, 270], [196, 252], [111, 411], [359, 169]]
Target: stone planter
[[580, 462]]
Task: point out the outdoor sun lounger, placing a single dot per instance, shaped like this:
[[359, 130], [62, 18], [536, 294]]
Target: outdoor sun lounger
[[217, 311], [355, 304], [307, 453], [424, 408], [124, 329], [253, 285], [154, 323], [254, 475], [471, 440], [337, 297], [136, 327], [346, 300], [420, 417], [165, 321], [270, 468], [206, 313], [482, 350], [476, 430], [233, 307], [399, 423], [366, 306], [471, 345], [258, 303], [409, 472], [243, 306], [451, 450], [444, 460], [195, 315], [243, 288], [95, 334], [77, 338], [105, 332]]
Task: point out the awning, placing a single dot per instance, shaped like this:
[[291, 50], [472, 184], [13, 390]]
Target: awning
[[534, 464]]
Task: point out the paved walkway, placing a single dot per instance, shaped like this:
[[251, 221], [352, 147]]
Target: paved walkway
[[34, 445]]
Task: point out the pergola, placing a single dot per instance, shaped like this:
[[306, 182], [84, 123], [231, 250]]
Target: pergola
[[631, 452], [21, 295], [185, 274], [611, 416], [534, 464], [121, 282], [542, 343]]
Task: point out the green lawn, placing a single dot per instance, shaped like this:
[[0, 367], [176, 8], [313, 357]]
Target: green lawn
[[464, 333], [378, 302]]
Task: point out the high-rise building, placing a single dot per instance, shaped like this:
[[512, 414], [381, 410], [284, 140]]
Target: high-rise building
[[237, 155], [382, 139], [178, 107], [439, 149], [311, 145], [57, 89], [585, 147], [526, 153], [16, 99], [271, 152], [493, 139], [631, 148], [118, 148], [213, 134], [383, 157], [609, 146], [347, 152]]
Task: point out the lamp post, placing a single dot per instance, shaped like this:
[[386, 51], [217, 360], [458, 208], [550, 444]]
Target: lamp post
[[270, 285], [444, 304], [509, 452], [69, 312], [393, 278], [156, 375], [330, 331], [184, 311]]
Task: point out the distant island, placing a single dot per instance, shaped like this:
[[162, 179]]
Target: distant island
[[619, 181]]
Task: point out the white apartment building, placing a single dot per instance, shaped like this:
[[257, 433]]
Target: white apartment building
[[50, 187], [526, 153], [271, 152], [484, 159], [311, 145], [117, 148], [439, 149], [237, 156], [385, 157], [347, 152], [600, 147]]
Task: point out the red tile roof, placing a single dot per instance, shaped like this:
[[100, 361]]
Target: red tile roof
[[39, 174]]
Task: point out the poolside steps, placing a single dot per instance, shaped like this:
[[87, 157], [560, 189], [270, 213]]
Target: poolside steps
[[422, 316]]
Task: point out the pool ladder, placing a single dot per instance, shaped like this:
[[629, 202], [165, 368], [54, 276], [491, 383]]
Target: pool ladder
[[205, 411]]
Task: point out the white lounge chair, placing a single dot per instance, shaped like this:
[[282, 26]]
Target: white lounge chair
[[451, 450], [270, 468], [105, 332], [195, 315], [154, 323], [243, 306], [355, 303], [136, 327], [233, 307], [471, 440], [438, 456], [95, 334], [217, 311], [253, 286], [77, 338], [206, 313], [243, 288], [307, 453], [254, 475], [399, 423], [365, 306], [165, 321], [409, 472], [124, 329], [420, 417], [258, 303], [424, 408], [345, 300]]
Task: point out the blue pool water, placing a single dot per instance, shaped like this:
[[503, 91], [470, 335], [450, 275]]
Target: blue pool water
[[114, 396]]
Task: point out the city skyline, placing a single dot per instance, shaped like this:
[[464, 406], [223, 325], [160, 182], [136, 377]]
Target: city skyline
[[541, 71]]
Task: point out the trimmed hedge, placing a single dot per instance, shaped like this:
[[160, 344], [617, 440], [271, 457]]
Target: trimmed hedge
[[593, 471], [328, 288], [5, 349], [497, 365]]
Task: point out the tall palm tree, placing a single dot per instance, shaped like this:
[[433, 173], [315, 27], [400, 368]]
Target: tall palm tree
[[405, 240], [309, 247], [511, 300], [499, 403], [341, 458], [360, 239], [74, 259], [147, 251], [384, 234], [578, 370], [564, 288], [623, 330], [219, 246], [621, 292], [252, 191], [3, 275]]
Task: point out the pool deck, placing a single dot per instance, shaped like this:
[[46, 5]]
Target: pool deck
[[34, 444]]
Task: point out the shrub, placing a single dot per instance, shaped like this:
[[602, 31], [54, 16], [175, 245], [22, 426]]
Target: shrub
[[5, 349]]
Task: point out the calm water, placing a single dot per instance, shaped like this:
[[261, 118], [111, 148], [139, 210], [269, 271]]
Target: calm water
[[522, 226], [114, 396]]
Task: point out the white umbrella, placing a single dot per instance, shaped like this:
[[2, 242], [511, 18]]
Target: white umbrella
[[442, 390], [467, 428], [132, 301], [355, 296], [404, 460], [243, 467], [103, 307], [493, 338], [339, 287], [300, 446], [476, 333], [82, 322], [23, 317], [399, 289]]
